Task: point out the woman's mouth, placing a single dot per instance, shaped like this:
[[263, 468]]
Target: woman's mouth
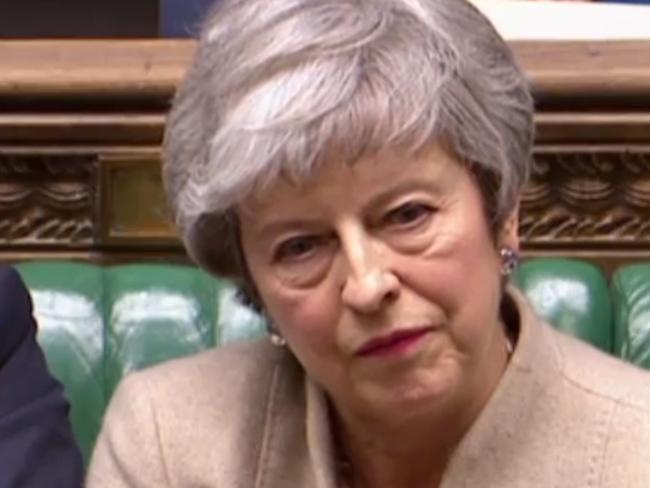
[[394, 343]]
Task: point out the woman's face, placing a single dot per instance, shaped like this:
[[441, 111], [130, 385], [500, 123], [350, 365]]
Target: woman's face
[[383, 278]]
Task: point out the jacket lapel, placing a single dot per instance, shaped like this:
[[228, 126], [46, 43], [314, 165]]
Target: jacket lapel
[[296, 445], [511, 428]]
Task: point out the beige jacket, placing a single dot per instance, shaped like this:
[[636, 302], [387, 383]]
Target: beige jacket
[[244, 416]]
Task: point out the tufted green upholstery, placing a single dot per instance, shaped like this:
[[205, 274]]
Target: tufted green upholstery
[[178, 304], [99, 323], [631, 298], [571, 295]]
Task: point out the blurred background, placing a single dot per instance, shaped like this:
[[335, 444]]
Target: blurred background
[[118, 18]]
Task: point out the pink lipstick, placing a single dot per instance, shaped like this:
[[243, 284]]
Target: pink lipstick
[[392, 344]]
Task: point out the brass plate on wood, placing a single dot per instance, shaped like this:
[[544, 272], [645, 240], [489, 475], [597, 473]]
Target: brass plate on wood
[[133, 202]]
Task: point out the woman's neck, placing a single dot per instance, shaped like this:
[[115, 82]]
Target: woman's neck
[[384, 460]]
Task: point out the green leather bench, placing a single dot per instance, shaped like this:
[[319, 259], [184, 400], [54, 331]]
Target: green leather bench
[[99, 323]]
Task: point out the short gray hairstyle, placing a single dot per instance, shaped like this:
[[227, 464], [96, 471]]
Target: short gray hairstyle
[[277, 87]]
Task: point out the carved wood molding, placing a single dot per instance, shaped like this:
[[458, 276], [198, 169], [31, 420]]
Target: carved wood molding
[[588, 198], [584, 201], [47, 200]]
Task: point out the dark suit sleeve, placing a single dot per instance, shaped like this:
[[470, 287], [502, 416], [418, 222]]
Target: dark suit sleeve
[[37, 448]]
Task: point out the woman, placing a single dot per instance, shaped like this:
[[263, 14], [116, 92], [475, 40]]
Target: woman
[[355, 165]]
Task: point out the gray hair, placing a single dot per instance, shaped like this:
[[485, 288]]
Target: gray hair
[[277, 87]]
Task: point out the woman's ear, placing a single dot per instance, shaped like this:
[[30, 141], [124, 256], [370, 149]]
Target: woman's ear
[[509, 236]]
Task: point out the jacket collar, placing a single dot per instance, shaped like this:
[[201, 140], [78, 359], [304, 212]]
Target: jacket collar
[[498, 435]]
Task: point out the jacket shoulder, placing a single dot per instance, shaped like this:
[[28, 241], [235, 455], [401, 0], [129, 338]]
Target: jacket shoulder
[[606, 403], [216, 380], [233, 370], [601, 374], [198, 418]]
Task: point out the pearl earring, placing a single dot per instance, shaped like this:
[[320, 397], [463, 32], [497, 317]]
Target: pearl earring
[[277, 340]]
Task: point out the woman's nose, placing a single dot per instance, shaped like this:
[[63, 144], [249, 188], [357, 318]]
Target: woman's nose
[[370, 283], [369, 292]]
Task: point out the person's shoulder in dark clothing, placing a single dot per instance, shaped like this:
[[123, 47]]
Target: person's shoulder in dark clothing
[[37, 448]]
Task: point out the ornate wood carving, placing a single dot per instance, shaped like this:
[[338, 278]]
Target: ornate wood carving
[[46, 200], [588, 197]]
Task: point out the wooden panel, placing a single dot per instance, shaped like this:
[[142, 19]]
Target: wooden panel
[[92, 68], [593, 127], [596, 70], [133, 202], [80, 128], [152, 68]]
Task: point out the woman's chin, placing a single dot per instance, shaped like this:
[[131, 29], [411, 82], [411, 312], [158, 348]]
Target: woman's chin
[[424, 389]]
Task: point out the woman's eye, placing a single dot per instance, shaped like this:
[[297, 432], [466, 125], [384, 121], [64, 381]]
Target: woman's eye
[[297, 248], [409, 214]]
